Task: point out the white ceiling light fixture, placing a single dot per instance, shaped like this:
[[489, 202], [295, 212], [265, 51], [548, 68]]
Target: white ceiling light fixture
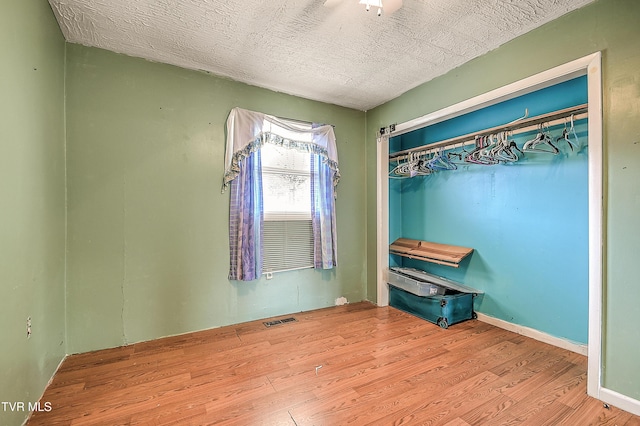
[[389, 6], [369, 3]]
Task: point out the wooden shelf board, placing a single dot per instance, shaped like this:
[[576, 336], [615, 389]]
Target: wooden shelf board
[[442, 254]]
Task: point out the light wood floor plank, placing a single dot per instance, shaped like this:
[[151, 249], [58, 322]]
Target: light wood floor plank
[[354, 364]]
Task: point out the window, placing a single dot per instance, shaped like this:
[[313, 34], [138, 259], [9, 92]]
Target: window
[[283, 177], [288, 232]]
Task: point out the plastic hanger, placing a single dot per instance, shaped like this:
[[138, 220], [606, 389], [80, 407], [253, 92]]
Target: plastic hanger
[[566, 135], [575, 135], [507, 151], [441, 162], [541, 143], [480, 155], [412, 166]]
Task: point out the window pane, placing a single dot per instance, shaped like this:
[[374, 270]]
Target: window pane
[[286, 194], [286, 183], [277, 157]]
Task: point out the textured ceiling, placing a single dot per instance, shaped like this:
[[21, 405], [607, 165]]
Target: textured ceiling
[[341, 55]]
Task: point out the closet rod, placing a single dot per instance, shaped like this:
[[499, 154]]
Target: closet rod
[[579, 111]]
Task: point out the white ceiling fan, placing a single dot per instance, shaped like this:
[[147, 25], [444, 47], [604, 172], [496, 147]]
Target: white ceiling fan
[[389, 6]]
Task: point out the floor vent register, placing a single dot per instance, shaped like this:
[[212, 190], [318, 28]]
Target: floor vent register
[[278, 322]]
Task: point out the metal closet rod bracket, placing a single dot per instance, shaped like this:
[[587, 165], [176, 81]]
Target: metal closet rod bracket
[[387, 130]]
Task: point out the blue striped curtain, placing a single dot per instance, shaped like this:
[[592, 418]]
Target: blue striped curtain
[[323, 214], [246, 213]]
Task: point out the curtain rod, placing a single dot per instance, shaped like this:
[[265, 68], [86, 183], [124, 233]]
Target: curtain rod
[[295, 120], [520, 124]]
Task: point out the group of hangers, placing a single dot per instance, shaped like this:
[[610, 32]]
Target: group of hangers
[[414, 166], [420, 164], [425, 163], [543, 142], [494, 149], [489, 150]]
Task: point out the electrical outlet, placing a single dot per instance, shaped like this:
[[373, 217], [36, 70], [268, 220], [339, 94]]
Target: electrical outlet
[[28, 327]]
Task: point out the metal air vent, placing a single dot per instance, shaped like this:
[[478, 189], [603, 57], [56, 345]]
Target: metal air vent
[[278, 322]]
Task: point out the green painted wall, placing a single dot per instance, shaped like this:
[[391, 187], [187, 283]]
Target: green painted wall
[[148, 224], [32, 190], [147, 250], [610, 26]]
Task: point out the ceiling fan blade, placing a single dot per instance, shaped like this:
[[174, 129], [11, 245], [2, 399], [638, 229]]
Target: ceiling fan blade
[[332, 3], [390, 6]]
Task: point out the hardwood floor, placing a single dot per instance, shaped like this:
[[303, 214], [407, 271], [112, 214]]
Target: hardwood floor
[[350, 365]]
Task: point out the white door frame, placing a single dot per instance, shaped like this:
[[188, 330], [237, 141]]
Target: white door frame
[[591, 67]]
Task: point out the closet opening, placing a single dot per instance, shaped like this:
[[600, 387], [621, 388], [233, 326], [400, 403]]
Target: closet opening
[[515, 173]]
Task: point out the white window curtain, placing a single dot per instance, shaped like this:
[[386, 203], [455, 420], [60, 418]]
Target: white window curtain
[[247, 132]]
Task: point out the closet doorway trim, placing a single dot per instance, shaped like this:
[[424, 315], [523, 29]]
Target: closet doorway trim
[[591, 67]]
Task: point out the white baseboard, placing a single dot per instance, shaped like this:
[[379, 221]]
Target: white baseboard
[[605, 395], [535, 334], [620, 401]]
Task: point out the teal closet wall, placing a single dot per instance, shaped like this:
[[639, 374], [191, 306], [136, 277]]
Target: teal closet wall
[[527, 221]]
